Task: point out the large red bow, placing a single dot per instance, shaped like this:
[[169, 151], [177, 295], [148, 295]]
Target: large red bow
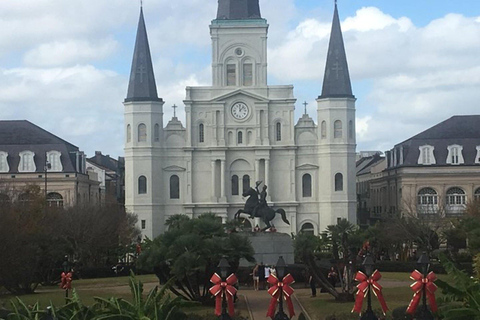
[[221, 288], [364, 286], [417, 287], [274, 291], [66, 281]]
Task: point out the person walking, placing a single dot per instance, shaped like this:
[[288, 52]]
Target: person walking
[[256, 278], [311, 281], [261, 276], [266, 275]]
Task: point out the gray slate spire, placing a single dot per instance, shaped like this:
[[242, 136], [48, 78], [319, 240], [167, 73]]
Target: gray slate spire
[[336, 82], [142, 85], [238, 9]]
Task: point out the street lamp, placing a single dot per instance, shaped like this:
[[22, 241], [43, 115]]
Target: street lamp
[[424, 264], [224, 267], [368, 264], [45, 169], [281, 268]]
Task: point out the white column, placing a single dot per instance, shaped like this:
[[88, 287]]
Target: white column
[[222, 178], [214, 198], [267, 169], [257, 170]]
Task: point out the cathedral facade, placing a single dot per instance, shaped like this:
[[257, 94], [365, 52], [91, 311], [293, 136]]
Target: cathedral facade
[[238, 131]]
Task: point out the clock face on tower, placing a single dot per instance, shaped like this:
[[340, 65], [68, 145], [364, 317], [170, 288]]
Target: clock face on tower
[[239, 111]]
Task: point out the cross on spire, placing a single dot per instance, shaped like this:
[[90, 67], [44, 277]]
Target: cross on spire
[[305, 104], [174, 110]]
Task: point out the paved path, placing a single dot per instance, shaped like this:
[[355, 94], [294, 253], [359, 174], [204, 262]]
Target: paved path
[[258, 301]]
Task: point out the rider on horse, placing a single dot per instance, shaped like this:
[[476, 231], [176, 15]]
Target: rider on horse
[[262, 203]]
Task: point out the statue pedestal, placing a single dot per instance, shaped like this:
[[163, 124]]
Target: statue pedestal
[[269, 246]]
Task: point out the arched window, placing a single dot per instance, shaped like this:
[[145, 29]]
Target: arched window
[[142, 132], [25, 198], [27, 164], [234, 185], [247, 74], [278, 131], [338, 182], [350, 129], [308, 228], [156, 132], [456, 196], [337, 129], [427, 196], [307, 185], [201, 133], [54, 199], [240, 137], [477, 194], [231, 75], [142, 185], [129, 133], [246, 182], [324, 129], [53, 158], [174, 187]]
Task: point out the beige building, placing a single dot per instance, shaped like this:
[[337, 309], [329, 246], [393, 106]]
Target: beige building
[[432, 175], [30, 155], [238, 131]]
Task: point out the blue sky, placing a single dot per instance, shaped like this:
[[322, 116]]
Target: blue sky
[[65, 65]]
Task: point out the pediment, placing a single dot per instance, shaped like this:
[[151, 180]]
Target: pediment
[[307, 166], [174, 168], [239, 92]]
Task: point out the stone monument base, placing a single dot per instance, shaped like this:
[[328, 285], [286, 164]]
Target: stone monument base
[[269, 246]]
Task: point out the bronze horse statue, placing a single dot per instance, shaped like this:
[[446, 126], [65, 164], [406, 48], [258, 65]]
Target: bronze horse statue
[[265, 213]]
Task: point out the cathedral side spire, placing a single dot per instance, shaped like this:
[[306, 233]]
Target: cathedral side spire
[[238, 9], [336, 82], [142, 86]]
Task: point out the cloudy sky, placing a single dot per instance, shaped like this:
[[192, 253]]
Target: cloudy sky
[[64, 65]]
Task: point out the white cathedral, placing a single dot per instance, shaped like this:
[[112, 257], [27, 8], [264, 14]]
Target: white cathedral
[[238, 131]]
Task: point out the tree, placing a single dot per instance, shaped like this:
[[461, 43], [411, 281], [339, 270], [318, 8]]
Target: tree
[[190, 252]]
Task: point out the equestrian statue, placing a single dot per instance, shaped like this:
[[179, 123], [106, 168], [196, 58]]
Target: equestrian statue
[[257, 207]]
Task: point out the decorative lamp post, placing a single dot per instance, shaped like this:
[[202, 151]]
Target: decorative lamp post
[[66, 277], [281, 268], [368, 264], [45, 169], [224, 266], [424, 285]]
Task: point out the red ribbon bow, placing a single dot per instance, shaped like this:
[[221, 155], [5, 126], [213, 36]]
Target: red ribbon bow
[[66, 281], [417, 287], [221, 288], [364, 286], [274, 291]]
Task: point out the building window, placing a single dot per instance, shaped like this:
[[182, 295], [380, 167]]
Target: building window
[[247, 74], [278, 131], [427, 196], [231, 75], [53, 158], [246, 183], [477, 157], [455, 154], [240, 137], [339, 182], [324, 129], [54, 199], [426, 155], [337, 127], [350, 129], [144, 224], [174, 187], [129, 133], [156, 132], [201, 133], [26, 162], [142, 132], [142, 185], [25, 198], [3, 162], [234, 185], [307, 185], [456, 196], [308, 228], [477, 195]]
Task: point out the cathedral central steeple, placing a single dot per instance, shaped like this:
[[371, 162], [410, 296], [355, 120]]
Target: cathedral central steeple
[[336, 82], [238, 9]]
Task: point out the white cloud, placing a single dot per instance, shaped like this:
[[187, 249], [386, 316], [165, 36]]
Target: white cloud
[[69, 52]]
